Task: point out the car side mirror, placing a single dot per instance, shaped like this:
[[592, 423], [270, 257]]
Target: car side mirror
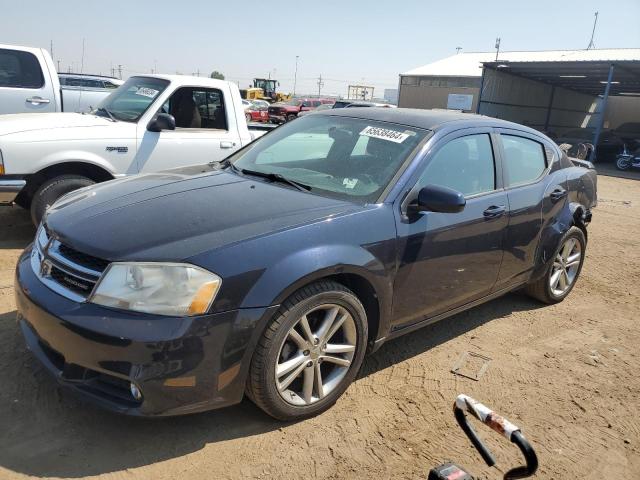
[[436, 198], [163, 121]]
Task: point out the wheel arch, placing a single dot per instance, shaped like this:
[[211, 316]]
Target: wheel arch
[[93, 171]]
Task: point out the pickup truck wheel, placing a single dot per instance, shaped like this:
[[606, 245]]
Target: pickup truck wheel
[[53, 189], [310, 352], [562, 274], [290, 117]]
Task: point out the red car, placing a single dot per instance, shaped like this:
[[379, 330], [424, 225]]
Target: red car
[[254, 113], [289, 110]]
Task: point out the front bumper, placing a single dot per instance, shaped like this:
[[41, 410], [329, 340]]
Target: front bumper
[[9, 189], [181, 365]]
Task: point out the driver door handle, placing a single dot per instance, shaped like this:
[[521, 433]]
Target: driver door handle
[[37, 100], [558, 194], [227, 144], [494, 211]]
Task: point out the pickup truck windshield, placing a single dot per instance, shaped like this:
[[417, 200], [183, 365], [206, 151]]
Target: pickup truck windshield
[[339, 157], [129, 102]]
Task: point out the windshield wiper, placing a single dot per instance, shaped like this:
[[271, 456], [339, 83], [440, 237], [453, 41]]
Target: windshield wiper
[[102, 109], [276, 177]]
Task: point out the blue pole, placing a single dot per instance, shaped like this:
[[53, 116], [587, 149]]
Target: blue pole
[[603, 108]]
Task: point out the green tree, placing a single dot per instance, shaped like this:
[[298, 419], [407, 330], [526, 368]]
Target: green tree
[[217, 75]]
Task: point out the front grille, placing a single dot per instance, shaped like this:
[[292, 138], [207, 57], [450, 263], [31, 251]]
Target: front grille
[[70, 273], [72, 282], [83, 259]]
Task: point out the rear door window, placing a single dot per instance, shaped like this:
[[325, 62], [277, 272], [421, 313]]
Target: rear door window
[[20, 70], [524, 160]]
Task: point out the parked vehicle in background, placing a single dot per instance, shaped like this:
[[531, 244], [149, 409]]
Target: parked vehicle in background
[[289, 110], [281, 266], [253, 113], [260, 103], [628, 159], [29, 83], [81, 93], [360, 103], [150, 123], [319, 108]]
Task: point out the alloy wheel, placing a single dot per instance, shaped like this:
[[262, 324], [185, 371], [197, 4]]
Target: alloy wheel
[[316, 354], [565, 267]]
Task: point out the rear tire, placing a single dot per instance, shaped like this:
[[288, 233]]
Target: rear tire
[[562, 273], [247, 116], [291, 117], [308, 351], [53, 189], [623, 164]]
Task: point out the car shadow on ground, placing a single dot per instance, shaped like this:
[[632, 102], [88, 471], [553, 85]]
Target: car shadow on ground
[[16, 229], [48, 431]]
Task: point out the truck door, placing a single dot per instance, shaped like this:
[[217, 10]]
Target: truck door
[[24, 86], [206, 131]]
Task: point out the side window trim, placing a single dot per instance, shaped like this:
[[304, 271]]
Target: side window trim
[[517, 133]]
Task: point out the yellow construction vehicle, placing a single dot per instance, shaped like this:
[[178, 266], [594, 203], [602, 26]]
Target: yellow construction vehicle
[[268, 86]]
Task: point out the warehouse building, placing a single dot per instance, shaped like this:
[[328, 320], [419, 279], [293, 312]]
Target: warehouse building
[[553, 91]]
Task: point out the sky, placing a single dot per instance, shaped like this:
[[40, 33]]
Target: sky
[[347, 42]]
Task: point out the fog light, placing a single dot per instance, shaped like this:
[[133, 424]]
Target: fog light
[[135, 391]]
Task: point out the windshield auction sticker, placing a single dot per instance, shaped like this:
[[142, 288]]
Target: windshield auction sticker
[[147, 92], [384, 134]]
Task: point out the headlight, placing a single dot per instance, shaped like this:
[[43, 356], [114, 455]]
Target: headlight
[[175, 289]]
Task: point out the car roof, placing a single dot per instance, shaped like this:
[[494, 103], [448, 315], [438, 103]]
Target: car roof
[[426, 119]]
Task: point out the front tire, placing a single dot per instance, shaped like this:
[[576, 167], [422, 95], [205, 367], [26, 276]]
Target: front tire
[[310, 352], [562, 275], [623, 163], [53, 189], [291, 117]]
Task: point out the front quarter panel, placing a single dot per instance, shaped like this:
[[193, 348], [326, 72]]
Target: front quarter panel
[[264, 271]]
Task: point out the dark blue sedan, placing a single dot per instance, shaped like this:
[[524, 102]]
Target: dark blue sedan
[[273, 272]]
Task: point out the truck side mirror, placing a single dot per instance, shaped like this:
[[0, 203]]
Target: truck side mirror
[[163, 121]]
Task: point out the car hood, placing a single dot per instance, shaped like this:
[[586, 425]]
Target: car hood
[[28, 122], [175, 215]]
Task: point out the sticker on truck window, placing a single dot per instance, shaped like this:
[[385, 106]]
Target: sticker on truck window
[[147, 92], [385, 134]]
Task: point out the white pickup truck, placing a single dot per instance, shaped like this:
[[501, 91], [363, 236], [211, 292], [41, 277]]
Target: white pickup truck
[[29, 83], [150, 123]]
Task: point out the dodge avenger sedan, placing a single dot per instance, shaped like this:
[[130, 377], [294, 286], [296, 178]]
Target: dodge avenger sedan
[[273, 272]]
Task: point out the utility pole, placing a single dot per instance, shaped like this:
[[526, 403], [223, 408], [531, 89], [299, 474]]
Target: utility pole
[[58, 65], [120, 71], [593, 32], [295, 76], [51, 48], [320, 84], [497, 47]]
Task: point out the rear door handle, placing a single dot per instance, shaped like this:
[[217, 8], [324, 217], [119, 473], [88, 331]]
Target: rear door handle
[[494, 211], [225, 144], [558, 194]]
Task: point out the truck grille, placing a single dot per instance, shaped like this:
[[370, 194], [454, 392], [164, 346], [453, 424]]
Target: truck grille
[[66, 271]]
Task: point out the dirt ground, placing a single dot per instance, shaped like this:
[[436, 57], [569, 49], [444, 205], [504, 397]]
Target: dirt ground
[[567, 374]]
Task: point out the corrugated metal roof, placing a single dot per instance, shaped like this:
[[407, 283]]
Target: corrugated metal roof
[[470, 64]]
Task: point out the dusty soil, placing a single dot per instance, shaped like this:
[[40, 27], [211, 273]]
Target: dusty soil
[[567, 374]]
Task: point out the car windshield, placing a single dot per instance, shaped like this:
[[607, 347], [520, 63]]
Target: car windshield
[[129, 102], [295, 103], [338, 157]]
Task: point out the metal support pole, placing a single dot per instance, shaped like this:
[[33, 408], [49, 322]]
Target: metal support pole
[[481, 86], [603, 108], [295, 77], [546, 121]]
